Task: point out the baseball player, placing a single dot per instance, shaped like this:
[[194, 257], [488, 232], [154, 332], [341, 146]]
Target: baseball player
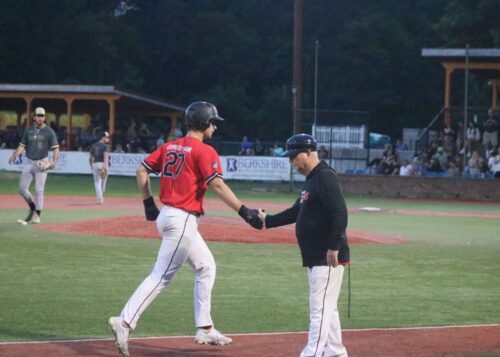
[[320, 215], [37, 140], [187, 167], [99, 164]]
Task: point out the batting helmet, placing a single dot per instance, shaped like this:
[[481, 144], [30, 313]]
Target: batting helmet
[[199, 115], [300, 143]]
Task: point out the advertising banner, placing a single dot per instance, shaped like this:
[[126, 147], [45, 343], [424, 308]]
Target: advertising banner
[[258, 168]]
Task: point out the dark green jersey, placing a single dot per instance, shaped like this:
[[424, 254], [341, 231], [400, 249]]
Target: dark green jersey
[[38, 141]]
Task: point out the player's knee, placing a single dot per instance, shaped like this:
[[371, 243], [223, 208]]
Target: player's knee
[[206, 269], [23, 191]]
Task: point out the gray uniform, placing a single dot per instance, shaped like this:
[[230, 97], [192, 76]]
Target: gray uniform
[[37, 142], [97, 151]]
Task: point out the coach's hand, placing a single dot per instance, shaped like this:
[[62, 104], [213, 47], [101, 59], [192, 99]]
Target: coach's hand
[[150, 209], [251, 216]]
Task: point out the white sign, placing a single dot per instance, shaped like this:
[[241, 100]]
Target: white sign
[[265, 168], [261, 168]]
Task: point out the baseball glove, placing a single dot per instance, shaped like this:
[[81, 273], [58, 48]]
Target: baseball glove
[[103, 172], [251, 216], [44, 165]]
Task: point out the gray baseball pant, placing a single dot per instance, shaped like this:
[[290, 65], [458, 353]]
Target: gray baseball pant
[[30, 171]]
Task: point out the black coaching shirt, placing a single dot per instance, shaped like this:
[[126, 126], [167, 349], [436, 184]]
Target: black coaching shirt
[[320, 214], [38, 141]]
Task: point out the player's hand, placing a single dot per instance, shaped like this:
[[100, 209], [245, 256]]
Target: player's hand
[[251, 216], [332, 257], [150, 209]]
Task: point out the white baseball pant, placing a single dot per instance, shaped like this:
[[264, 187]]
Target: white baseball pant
[[325, 336], [30, 170], [181, 242], [99, 183]]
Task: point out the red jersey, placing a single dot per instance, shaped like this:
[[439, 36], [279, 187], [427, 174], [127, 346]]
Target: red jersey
[[186, 166]]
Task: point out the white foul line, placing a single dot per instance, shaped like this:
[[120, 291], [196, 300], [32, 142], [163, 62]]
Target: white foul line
[[254, 334]]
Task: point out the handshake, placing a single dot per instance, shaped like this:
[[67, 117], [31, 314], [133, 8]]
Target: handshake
[[254, 217]]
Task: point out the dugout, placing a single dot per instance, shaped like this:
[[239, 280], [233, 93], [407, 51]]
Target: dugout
[[64, 101]]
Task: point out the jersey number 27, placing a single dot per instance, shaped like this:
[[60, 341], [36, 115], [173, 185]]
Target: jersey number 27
[[174, 164]]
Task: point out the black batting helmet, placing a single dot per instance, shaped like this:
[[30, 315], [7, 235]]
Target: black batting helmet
[[199, 115], [300, 143]]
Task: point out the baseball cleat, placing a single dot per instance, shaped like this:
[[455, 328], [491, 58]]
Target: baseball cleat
[[211, 337], [121, 335], [20, 221], [35, 219]]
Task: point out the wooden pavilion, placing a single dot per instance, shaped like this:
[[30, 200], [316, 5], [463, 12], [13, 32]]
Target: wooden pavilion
[[486, 61], [91, 99]]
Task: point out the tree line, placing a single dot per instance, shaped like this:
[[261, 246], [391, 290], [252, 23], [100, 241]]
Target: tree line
[[238, 54]]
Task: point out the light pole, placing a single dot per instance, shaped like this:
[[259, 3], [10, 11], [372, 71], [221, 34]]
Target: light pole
[[297, 67], [315, 84]]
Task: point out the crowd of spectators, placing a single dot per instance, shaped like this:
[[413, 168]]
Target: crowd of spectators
[[453, 152], [258, 148], [131, 136]]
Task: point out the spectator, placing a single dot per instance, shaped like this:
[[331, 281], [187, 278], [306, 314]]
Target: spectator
[[434, 166], [132, 140], [144, 134], [472, 138], [416, 165], [400, 145], [380, 163], [160, 141], [178, 133], [441, 156], [277, 150], [63, 146], [389, 166], [449, 131], [449, 146], [259, 148], [406, 169], [490, 134], [453, 169], [494, 163], [246, 147], [475, 164], [119, 148], [132, 129], [144, 130], [322, 153]]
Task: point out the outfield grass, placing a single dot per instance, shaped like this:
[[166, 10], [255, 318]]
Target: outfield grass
[[57, 286]]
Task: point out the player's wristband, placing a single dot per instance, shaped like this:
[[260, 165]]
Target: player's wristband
[[149, 202], [150, 209]]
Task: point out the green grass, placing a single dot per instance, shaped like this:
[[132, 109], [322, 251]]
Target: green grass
[[58, 286]]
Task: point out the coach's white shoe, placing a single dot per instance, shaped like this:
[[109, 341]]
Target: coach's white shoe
[[211, 337], [121, 335], [35, 219]]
